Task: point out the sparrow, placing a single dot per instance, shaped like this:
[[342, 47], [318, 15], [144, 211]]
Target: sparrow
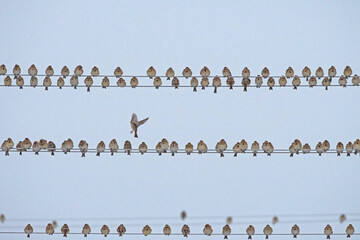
[[295, 230], [205, 72], [3, 69], [78, 71], [159, 149], [328, 231], [65, 71], [83, 147], [118, 72], [258, 81], [267, 231], [151, 72], [349, 148], [54, 223], [49, 71], [332, 72], [207, 230], [289, 73], [105, 82], [134, 82], [275, 220], [229, 220], [189, 148], [164, 145], [326, 82], [19, 148], [95, 72], [319, 72], [175, 82], [100, 148], [271, 83], [49, 229], [221, 147], [32, 71], [296, 81], [350, 230], [339, 148], [236, 149], [121, 230], [326, 145], [342, 81], [27, 144], [226, 231], [342, 218], [167, 230], [157, 82], [202, 147], [20, 82], [114, 147], [7, 81], [216, 83], [16, 71], [245, 73], [183, 215], [135, 124], [143, 148], [312, 81], [5, 148], [292, 150], [47, 83], [250, 231], [347, 71], [67, 145], [255, 147], [297, 145], [187, 72], [86, 230], [267, 148], [204, 83], [65, 230], [33, 81], [146, 230], [319, 148], [230, 82], [36, 147], [265, 72], [245, 82], [127, 147], [28, 230], [355, 80], [174, 147], [356, 146], [282, 81], [185, 230], [194, 83], [226, 72], [74, 81], [60, 82], [105, 230], [88, 82], [43, 144], [51, 147], [122, 83], [170, 73]]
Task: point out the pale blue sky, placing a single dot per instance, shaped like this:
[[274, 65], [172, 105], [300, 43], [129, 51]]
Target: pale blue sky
[[138, 34]]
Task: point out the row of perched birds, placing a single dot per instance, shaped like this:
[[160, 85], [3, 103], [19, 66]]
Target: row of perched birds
[[185, 230], [175, 82], [163, 146]]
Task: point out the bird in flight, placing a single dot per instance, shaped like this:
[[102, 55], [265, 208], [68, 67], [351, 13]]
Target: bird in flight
[[135, 124]]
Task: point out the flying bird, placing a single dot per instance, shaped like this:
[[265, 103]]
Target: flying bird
[[135, 124]]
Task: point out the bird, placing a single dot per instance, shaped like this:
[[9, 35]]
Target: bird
[[36, 147], [328, 231], [105, 82], [229, 220], [52, 147], [349, 148], [289, 73], [226, 72], [164, 145], [230, 81], [127, 147], [250, 230], [33, 81], [27, 144], [319, 148], [245, 82], [157, 82], [167, 230], [342, 218], [174, 147], [135, 124], [295, 230], [65, 230], [95, 71], [258, 81], [105, 230], [60, 82], [74, 81], [267, 148], [170, 73], [236, 149], [50, 229], [355, 80], [54, 223], [83, 147], [49, 71], [326, 145], [216, 83], [121, 230], [43, 144], [205, 72], [207, 230], [296, 81], [202, 147], [100, 148], [32, 71], [86, 230], [292, 150], [122, 83], [88, 82], [28, 230], [275, 220], [5, 147], [146, 230], [151, 72], [114, 146], [204, 83], [319, 72], [297, 145], [221, 147], [16, 71], [332, 72], [185, 230], [67, 145], [350, 230], [183, 215], [326, 82], [175, 82], [19, 148], [245, 73], [255, 147], [78, 71], [267, 231], [3, 69], [189, 148], [20, 82], [347, 71], [7, 81], [342, 81], [312, 81], [282, 81], [271, 83], [194, 83], [356, 146], [47, 83], [226, 231], [143, 148], [159, 149], [339, 148], [134, 82], [65, 71], [265, 72], [118, 72], [187, 72], [64, 146]]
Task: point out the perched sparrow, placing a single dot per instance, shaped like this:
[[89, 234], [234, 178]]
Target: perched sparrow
[[32, 71], [328, 231], [88, 82], [216, 83], [326, 82], [33, 81], [226, 231], [342, 218], [326, 145], [230, 82], [134, 82], [26, 144], [7, 81], [267, 231], [183, 215], [65, 71], [3, 69], [236, 149], [157, 82], [250, 231], [19, 148], [100, 148], [174, 147], [185, 230], [175, 82], [332, 72], [167, 230], [74, 81], [265, 72], [118, 72], [20, 82], [78, 71], [83, 147], [151, 72], [5, 147], [243, 146], [319, 72], [355, 80], [226, 72], [16, 71], [312, 81], [189, 148], [319, 148], [339, 148], [271, 83], [295, 230], [67, 145], [258, 81], [43, 144], [289, 73], [95, 71], [221, 147], [114, 147], [52, 147], [122, 83], [121, 230], [146, 230], [105, 82], [86, 230], [342, 81], [205, 72], [164, 145], [296, 81], [204, 83], [49, 71], [292, 150], [49, 229], [282, 81], [194, 83], [350, 230], [65, 230], [255, 147], [170, 73], [349, 148], [135, 124], [356, 146], [267, 147], [207, 230], [229, 220], [36, 147], [60, 82], [275, 220], [105, 230], [28, 230], [159, 149], [143, 148], [245, 73], [347, 71], [202, 147], [63, 147], [127, 147], [297, 145], [245, 82], [187, 72], [47, 83]]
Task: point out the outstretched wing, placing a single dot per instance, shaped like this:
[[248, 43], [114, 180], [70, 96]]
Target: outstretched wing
[[143, 121]]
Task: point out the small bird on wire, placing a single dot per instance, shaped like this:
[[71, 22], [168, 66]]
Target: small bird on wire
[[189, 148], [207, 230], [202, 147], [174, 147], [105, 82], [265, 72], [157, 82], [221, 147], [216, 83], [289, 73], [74, 81], [134, 82], [355, 80], [226, 231], [205, 72], [185, 230], [86, 230], [60, 82], [83, 147], [255, 147], [258, 81], [146, 230], [267, 231], [194, 82], [3, 69], [135, 124], [349, 230], [328, 231], [78, 71], [127, 147], [347, 71], [230, 81], [204, 83], [65, 71], [143, 148], [100, 148], [28, 230], [65, 230], [33, 81], [114, 146], [245, 82], [250, 231], [332, 72], [52, 147], [226, 72], [187, 72], [20, 82], [16, 71], [47, 83], [50, 229], [88, 82], [122, 83], [339, 148], [49, 71], [170, 73], [295, 230], [296, 82], [175, 82], [167, 230], [326, 82], [32, 71], [105, 230], [151, 72], [118, 72], [121, 230], [95, 72], [319, 73], [271, 83]]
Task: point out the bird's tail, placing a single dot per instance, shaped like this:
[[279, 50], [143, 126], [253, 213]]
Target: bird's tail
[[52, 153], [194, 89], [348, 236], [249, 237], [215, 89], [235, 155]]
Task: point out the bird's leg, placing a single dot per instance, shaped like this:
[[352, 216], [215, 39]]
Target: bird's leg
[[254, 155], [270, 88], [267, 237], [7, 153], [235, 155], [295, 236], [338, 154], [225, 237], [21, 87], [328, 237], [291, 155], [88, 89], [348, 236], [20, 153], [172, 154], [52, 153], [203, 88], [135, 134], [249, 237], [46, 88], [295, 88], [75, 87], [28, 235], [98, 154], [194, 89], [245, 89], [83, 154], [215, 89], [36, 153]]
